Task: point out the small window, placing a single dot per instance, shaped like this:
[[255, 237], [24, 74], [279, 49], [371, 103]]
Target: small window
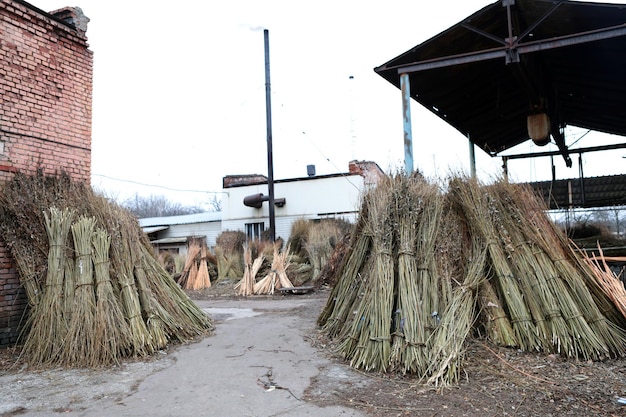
[[254, 230]]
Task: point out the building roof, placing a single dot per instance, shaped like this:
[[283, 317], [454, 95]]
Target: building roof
[[182, 219], [587, 192], [487, 73]]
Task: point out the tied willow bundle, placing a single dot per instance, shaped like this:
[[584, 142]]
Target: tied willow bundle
[[369, 341], [64, 327], [111, 329], [474, 204], [141, 340], [81, 344], [456, 322], [49, 327], [339, 308], [405, 279], [418, 209]]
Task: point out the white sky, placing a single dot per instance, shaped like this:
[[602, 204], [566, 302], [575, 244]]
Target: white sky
[[179, 94]]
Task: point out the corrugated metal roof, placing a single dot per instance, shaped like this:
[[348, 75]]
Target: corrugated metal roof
[[154, 229], [487, 73], [169, 240], [182, 219], [587, 192]]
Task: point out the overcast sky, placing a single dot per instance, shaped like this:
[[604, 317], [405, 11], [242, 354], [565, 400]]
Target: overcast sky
[[179, 94]]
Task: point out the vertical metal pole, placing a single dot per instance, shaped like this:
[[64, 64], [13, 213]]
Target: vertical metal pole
[[405, 85], [268, 113], [582, 178], [472, 157], [505, 167]]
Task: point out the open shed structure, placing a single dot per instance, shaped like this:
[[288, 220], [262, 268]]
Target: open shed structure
[[521, 69]]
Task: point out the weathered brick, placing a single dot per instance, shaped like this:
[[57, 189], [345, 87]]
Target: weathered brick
[[45, 119]]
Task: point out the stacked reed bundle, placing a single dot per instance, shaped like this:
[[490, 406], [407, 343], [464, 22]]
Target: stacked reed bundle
[[456, 322], [81, 345], [111, 329], [203, 280], [251, 268], [277, 276], [195, 275], [348, 290], [417, 212], [478, 211], [368, 344], [403, 278], [48, 326], [588, 305], [191, 265], [140, 338], [64, 296], [571, 333]]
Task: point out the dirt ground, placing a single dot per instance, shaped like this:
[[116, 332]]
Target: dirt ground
[[497, 381]]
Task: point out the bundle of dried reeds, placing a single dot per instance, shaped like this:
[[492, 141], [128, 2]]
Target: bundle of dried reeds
[[611, 285], [251, 268], [594, 335], [203, 280], [475, 205], [456, 322], [338, 312], [111, 329], [39, 243], [277, 277], [191, 266], [81, 346], [368, 344], [48, 326], [418, 209]]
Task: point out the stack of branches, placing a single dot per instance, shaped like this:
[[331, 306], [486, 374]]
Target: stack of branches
[[229, 254], [195, 274], [99, 296], [412, 288], [277, 276]]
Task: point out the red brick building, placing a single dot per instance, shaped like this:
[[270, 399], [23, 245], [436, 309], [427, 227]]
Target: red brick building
[[45, 114]]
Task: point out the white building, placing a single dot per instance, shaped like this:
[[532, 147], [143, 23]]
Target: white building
[[172, 233], [313, 197]]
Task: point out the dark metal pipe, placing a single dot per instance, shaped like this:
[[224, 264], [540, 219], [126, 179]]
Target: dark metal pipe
[[270, 158]]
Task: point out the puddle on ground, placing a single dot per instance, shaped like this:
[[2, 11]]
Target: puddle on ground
[[223, 314]]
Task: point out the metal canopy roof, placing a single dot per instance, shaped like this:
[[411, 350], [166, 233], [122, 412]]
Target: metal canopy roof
[[486, 74]]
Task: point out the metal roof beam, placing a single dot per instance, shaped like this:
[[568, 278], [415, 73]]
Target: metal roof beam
[[503, 52], [576, 151]]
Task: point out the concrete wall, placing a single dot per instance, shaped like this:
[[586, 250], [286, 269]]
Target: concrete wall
[[336, 196], [45, 116]]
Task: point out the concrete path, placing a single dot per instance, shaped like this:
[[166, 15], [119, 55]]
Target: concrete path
[[258, 363]]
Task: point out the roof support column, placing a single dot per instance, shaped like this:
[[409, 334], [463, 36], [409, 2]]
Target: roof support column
[[472, 155], [405, 86]]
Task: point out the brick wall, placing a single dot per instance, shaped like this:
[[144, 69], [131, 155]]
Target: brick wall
[[45, 113]]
